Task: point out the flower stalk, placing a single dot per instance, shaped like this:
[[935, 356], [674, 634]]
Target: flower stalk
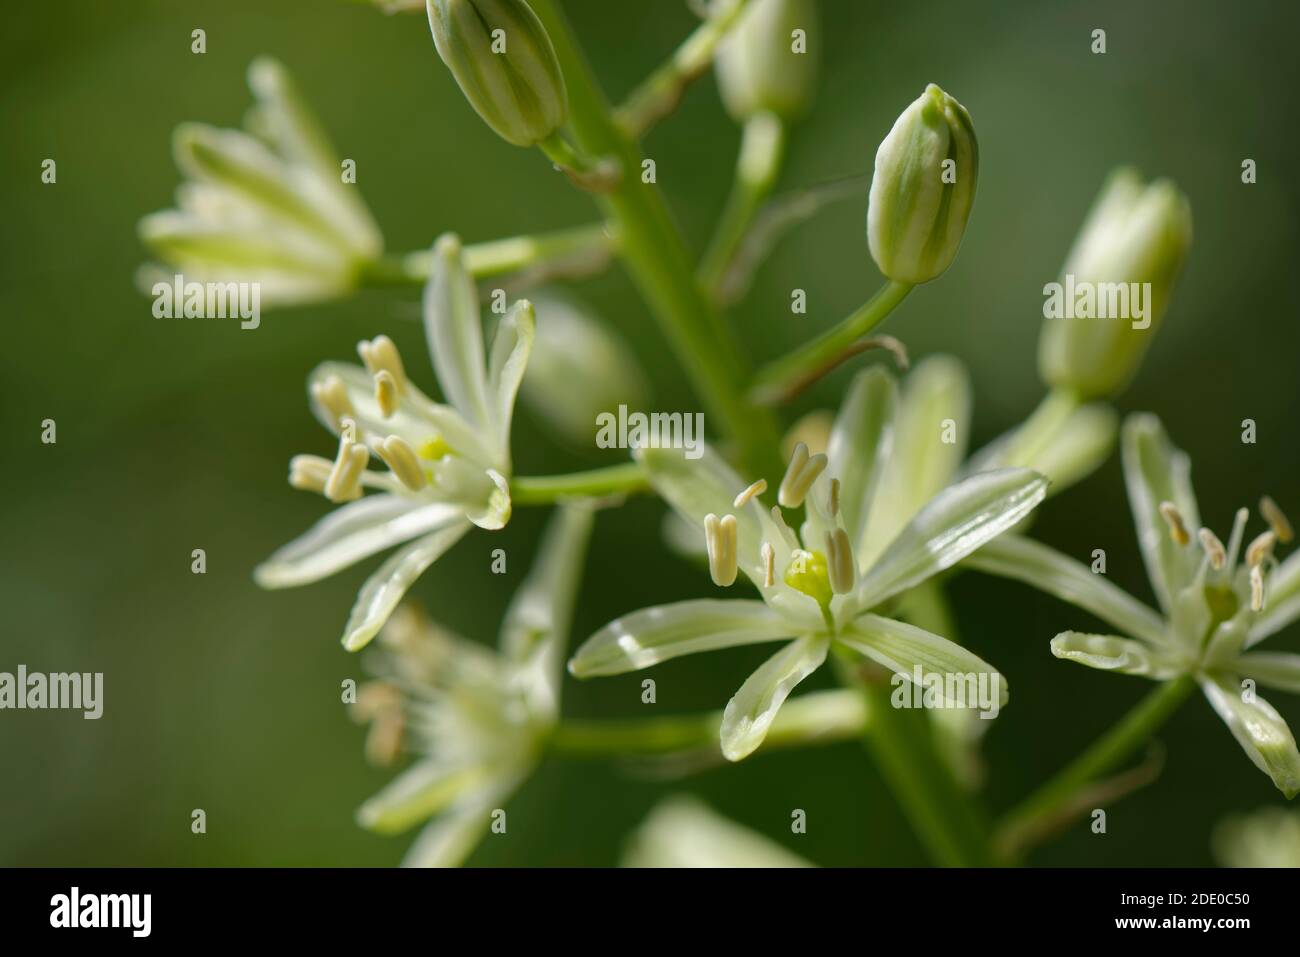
[[623, 479]]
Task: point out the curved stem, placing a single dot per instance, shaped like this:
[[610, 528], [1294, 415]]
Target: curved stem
[[1117, 744], [1040, 428], [777, 378], [657, 258], [757, 167], [547, 489]]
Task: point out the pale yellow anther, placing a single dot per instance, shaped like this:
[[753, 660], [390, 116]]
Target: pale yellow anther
[[403, 462], [309, 473], [381, 355], [799, 477], [344, 482], [1174, 518], [720, 542], [768, 554], [332, 396], [758, 488], [1260, 549], [1214, 549], [835, 497], [1276, 519], [839, 562], [386, 392], [1256, 588]]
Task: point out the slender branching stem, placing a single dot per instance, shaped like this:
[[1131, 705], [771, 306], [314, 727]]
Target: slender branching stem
[[547, 489]]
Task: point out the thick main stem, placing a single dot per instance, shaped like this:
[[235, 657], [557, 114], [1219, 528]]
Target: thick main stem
[[658, 260]]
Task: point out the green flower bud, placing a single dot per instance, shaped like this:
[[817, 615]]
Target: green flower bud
[[1115, 287], [765, 63], [923, 189], [578, 369], [504, 63]]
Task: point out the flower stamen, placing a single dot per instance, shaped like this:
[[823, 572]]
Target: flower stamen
[[381, 355], [309, 473], [332, 396], [1174, 519], [344, 481], [769, 564], [839, 562], [1256, 588], [1214, 549], [1260, 549], [402, 462], [743, 499], [720, 542], [799, 476], [386, 393], [787, 533], [835, 497], [1276, 519]]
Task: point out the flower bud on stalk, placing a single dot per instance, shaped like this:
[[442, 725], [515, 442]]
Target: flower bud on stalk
[[504, 63], [1134, 235], [765, 64], [923, 189]]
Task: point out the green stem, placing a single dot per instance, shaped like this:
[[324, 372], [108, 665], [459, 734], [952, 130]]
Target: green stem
[[785, 374], [757, 167], [902, 742], [817, 718], [1040, 428], [547, 489], [1107, 753], [657, 258], [592, 243], [660, 93]]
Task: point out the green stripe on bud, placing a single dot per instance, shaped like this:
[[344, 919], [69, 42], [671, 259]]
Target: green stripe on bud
[[1135, 235], [923, 188], [503, 61], [767, 62]]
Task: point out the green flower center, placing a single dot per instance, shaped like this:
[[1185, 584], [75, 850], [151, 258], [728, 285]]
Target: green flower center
[[808, 573]]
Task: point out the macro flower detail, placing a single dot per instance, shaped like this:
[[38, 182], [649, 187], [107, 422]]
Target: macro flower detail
[[477, 719], [500, 56], [681, 831], [923, 188], [1217, 601], [448, 465], [758, 67], [265, 205], [828, 584]]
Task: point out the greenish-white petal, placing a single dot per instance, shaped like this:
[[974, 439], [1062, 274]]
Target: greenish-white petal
[[953, 524], [1273, 669], [455, 334], [930, 433], [350, 533], [385, 588], [1112, 653], [536, 626], [450, 838], [751, 710], [1281, 599], [511, 346], [652, 635], [418, 793], [682, 831], [1260, 731], [1077, 448], [860, 443], [1154, 472], [1013, 556], [908, 651]]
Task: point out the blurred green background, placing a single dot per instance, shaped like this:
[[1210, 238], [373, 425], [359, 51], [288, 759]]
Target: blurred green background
[[175, 435]]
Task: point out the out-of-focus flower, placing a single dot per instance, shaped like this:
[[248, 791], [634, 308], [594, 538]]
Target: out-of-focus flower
[[681, 831], [448, 466], [1269, 837], [823, 586], [579, 369], [760, 67], [1135, 235], [268, 205], [502, 59], [476, 719], [923, 188], [1217, 601]]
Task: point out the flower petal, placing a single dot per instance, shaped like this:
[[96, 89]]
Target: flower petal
[[953, 524], [1013, 556], [536, 626], [1110, 653], [455, 333], [682, 831], [903, 648], [860, 442], [511, 346], [1273, 669], [448, 840], [924, 454], [348, 534], [1155, 471], [419, 792], [385, 588], [1260, 731], [1281, 600], [751, 710], [652, 635]]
